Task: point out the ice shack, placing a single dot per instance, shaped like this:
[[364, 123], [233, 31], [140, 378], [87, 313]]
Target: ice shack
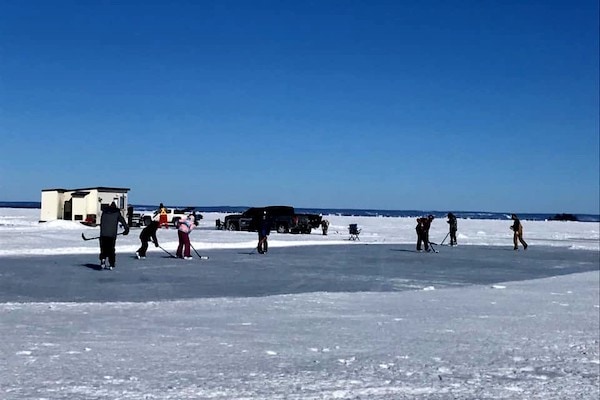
[[85, 204]]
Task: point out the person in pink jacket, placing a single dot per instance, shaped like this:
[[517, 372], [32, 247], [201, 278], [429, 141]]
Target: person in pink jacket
[[184, 227]]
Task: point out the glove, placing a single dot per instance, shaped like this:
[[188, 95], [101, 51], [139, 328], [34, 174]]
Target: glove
[[155, 244], [126, 232]]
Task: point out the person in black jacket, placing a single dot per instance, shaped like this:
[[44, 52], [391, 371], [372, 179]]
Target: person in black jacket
[[423, 225], [264, 229], [109, 222], [147, 234], [453, 228]]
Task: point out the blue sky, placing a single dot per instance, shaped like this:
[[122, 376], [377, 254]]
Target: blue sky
[[433, 105]]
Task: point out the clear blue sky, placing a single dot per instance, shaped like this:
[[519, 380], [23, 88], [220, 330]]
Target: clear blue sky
[[446, 105]]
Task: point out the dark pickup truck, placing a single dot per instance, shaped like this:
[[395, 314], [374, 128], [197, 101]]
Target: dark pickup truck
[[284, 219]]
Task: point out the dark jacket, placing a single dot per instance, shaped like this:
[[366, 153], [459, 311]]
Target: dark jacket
[[426, 224], [265, 226], [149, 232], [109, 222], [516, 225], [419, 227], [452, 221]]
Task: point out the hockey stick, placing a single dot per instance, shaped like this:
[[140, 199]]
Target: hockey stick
[[198, 254], [84, 238], [441, 244], [163, 249], [433, 248], [97, 237]]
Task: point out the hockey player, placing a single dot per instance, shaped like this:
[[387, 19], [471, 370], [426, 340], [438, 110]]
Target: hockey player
[[184, 227], [453, 228], [423, 225], [109, 222], [147, 234], [264, 229]]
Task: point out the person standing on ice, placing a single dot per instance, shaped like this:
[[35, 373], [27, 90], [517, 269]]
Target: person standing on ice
[[184, 227], [453, 228], [517, 229], [324, 226], [423, 225], [148, 234], [109, 222], [419, 228], [162, 218], [264, 229]]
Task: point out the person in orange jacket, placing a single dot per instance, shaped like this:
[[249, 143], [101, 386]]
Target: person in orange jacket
[[162, 218]]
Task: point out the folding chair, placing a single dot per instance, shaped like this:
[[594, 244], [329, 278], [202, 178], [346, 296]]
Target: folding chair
[[354, 232]]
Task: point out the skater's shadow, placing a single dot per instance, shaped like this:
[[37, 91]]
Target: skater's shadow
[[405, 250], [95, 267]]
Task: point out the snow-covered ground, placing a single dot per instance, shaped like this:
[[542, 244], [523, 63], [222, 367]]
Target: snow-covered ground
[[347, 321], [21, 234]]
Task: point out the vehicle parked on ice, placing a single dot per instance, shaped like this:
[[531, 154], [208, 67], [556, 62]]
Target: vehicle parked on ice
[[173, 216], [284, 219]]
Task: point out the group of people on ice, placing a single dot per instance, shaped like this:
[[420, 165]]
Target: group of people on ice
[[185, 226], [111, 218], [424, 223]]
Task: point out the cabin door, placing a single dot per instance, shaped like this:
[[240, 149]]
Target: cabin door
[[68, 212]]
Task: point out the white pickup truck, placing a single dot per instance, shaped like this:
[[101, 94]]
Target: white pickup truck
[[173, 216]]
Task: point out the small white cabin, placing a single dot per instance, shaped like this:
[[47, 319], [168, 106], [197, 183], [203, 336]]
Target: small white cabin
[[83, 205]]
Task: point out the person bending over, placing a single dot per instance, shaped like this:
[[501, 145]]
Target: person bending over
[[148, 234]]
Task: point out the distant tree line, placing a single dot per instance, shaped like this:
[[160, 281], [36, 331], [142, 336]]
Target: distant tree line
[[564, 217]]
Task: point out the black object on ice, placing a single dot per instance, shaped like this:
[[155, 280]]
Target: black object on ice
[[96, 237], [433, 248], [354, 231]]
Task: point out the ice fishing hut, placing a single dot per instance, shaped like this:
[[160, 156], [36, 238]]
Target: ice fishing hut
[[83, 205]]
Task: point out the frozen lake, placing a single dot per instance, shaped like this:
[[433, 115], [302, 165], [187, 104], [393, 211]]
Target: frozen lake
[[319, 317], [285, 270]]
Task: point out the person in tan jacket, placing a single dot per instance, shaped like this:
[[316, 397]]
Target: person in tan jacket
[[517, 229]]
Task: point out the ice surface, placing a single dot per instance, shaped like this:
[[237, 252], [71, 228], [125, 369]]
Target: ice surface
[[368, 320]]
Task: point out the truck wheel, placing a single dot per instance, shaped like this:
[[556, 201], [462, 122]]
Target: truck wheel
[[231, 227], [281, 228]]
